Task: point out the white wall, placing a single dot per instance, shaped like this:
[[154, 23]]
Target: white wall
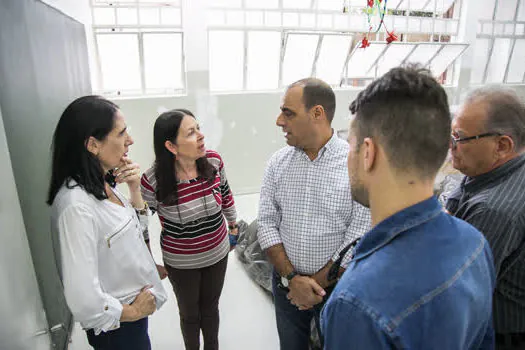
[[80, 10]]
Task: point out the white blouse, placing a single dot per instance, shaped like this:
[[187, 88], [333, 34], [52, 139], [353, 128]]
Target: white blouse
[[104, 259]]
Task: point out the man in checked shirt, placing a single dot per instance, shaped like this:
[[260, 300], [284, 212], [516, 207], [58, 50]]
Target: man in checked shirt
[[306, 213]]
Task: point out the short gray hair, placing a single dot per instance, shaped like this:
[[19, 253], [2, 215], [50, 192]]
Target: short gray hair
[[505, 112]]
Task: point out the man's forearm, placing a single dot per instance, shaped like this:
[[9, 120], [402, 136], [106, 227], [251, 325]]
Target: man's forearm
[[278, 258], [321, 276]]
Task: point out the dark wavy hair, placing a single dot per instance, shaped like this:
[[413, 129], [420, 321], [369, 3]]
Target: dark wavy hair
[[85, 117], [167, 128]]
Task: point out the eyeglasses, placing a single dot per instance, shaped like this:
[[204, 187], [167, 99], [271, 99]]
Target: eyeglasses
[[455, 140]]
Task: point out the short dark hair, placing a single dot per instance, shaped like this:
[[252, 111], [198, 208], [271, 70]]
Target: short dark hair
[[85, 117], [407, 112], [317, 92], [505, 112], [167, 128]]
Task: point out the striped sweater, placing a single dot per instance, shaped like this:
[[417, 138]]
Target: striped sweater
[[194, 232]]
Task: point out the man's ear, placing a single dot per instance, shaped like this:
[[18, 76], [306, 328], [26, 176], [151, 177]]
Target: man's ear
[[370, 153], [318, 112], [504, 147], [93, 146]]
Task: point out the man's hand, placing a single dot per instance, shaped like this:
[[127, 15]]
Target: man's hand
[[305, 292]]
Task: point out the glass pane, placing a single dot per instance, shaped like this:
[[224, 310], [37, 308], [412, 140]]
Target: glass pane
[[393, 56], [255, 18], [127, 16], [258, 4], [272, 19], [341, 21], [332, 56], [226, 55], [414, 4], [170, 16], [486, 11], [521, 11], [119, 60], [290, 19], [216, 17], [226, 3], [509, 29], [299, 57], [481, 52], [516, 66], [163, 60], [235, 18], [445, 58], [506, 10], [498, 60], [307, 20], [520, 28], [297, 4], [104, 16], [423, 53], [264, 52], [149, 16], [439, 5], [324, 21], [172, 2], [335, 5], [362, 59]]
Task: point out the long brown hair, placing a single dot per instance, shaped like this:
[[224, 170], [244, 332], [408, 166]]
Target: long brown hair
[[167, 128]]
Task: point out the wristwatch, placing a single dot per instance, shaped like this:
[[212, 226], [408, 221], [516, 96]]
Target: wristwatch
[[285, 281], [143, 211]]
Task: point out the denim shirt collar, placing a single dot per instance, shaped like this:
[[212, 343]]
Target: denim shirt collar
[[395, 225]]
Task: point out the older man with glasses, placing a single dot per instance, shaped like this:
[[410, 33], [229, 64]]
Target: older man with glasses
[[487, 146]]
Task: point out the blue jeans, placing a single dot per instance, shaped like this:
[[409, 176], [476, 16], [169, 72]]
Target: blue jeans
[[293, 325], [130, 336]]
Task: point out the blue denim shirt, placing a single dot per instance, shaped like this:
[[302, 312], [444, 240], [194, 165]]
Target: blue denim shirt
[[421, 279]]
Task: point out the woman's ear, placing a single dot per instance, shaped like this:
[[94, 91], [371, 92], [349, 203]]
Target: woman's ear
[[92, 145], [170, 146]]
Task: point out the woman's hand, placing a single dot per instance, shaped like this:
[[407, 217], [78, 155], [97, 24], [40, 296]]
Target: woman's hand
[[128, 172], [163, 273]]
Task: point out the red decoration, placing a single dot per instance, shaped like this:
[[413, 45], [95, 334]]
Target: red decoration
[[370, 3], [365, 43], [391, 37]]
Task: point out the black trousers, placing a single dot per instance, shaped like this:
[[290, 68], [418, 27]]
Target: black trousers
[[198, 292], [130, 336]]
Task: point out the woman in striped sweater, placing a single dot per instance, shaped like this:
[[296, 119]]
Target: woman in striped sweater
[[187, 187]]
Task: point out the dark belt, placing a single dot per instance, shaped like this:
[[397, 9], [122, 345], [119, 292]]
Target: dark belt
[[511, 339]]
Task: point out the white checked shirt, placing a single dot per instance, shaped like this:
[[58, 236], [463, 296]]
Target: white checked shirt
[[307, 206]]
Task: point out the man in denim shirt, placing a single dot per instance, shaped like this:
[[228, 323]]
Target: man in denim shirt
[[420, 279]]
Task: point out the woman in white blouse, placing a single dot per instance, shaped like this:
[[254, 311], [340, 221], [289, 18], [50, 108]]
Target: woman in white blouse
[[110, 279]]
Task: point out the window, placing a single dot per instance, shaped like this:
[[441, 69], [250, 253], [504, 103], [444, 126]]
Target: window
[[139, 47], [499, 44]]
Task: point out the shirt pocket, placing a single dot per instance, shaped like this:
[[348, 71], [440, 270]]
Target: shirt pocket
[[333, 209]]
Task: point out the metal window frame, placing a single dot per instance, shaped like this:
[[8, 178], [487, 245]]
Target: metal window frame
[[374, 66], [139, 29], [143, 89], [493, 36]]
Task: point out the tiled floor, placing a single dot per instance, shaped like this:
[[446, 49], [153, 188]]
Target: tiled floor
[[247, 314]]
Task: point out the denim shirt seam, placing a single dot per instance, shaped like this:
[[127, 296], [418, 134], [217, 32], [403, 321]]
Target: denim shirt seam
[[396, 321], [395, 233], [379, 320]]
